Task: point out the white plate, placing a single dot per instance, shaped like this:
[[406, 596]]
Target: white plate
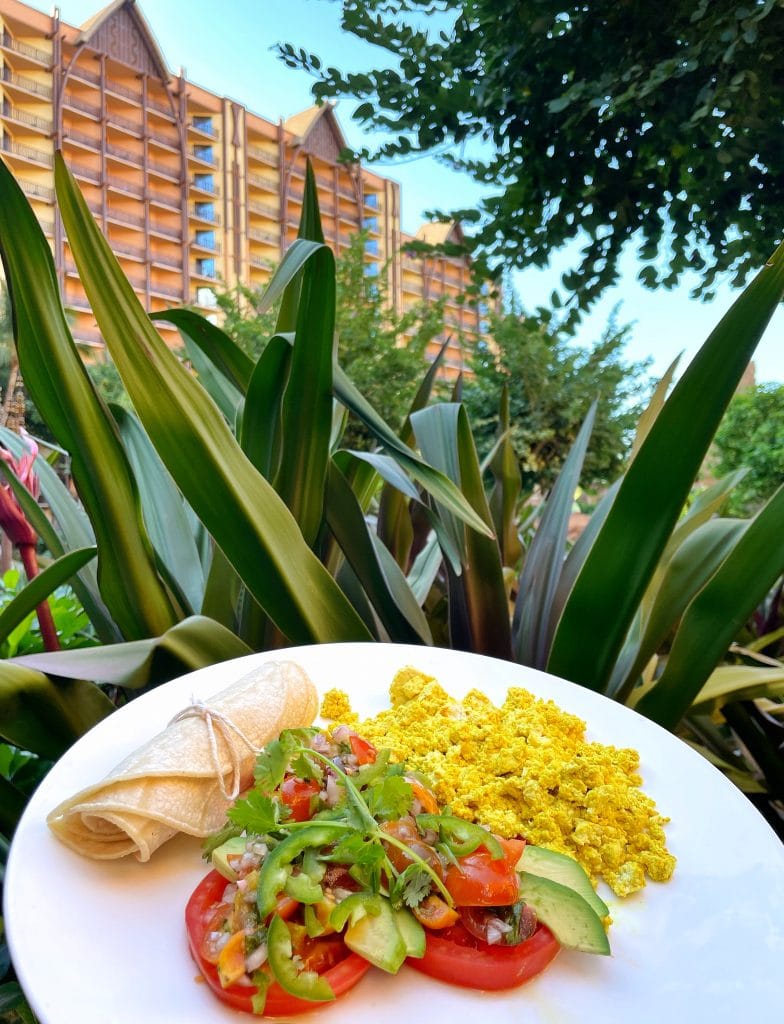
[[103, 942]]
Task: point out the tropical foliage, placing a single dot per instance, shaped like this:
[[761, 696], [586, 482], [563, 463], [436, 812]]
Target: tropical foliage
[[598, 123], [225, 513], [752, 435]]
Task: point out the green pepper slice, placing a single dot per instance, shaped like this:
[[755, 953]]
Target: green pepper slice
[[462, 837], [304, 984], [276, 868]]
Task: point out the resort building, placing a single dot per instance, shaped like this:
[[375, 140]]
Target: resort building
[[190, 188]]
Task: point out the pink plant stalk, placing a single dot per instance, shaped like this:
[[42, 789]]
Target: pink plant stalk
[[19, 531]]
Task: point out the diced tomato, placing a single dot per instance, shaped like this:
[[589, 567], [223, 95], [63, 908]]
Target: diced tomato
[[364, 752], [455, 956], [298, 795], [479, 881], [433, 912], [203, 908]]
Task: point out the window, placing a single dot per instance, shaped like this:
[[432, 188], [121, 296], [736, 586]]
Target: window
[[204, 123], [205, 238], [204, 181], [484, 326], [205, 210], [206, 267], [370, 224], [205, 297], [203, 153], [371, 200], [371, 246], [371, 270]]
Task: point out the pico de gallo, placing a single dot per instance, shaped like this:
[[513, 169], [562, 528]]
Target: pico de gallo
[[339, 860]]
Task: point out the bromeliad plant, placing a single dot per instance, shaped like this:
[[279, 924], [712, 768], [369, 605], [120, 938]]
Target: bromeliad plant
[[227, 517]]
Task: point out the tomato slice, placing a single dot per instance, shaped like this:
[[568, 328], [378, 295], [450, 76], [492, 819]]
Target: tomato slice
[[479, 881], [364, 752], [200, 913], [297, 795], [455, 956]]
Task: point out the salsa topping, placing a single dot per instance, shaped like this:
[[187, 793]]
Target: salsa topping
[[339, 858]]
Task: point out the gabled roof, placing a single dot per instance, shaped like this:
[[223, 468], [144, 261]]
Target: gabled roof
[[126, 11], [438, 232], [306, 122]]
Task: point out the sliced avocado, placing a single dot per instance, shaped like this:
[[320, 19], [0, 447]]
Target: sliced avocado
[[568, 916], [377, 938], [412, 931], [234, 847], [558, 867]]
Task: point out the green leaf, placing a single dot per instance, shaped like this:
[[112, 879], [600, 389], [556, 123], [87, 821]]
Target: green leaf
[[715, 616], [654, 406], [165, 516], [191, 644], [479, 611], [40, 587], [435, 483], [507, 486], [738, 682], [687, 572], [44, 717], [544, 559], [64, 395], [236, 504], [380, 577], [74, 530], [261, 419], [624, 556], [217, 346]]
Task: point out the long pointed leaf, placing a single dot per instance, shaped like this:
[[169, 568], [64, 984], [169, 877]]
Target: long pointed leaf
[[507, 487], [260, 435], [545, 557], [216, 345], [164, 511], [386, 589], [479, 611], [623, 558], [715, 616], [44, 717], [236, 504], [40, 587], [64, 395], [191, 644], [435, 483], [74, 530]]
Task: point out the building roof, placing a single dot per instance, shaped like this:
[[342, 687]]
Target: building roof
[[129, 11], [439, 232]]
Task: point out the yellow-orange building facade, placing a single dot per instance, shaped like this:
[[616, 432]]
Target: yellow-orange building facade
[[191, 188]]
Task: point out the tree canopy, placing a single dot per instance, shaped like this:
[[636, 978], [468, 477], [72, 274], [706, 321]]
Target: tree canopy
[[605, 121], [552, 383], [751, 436]]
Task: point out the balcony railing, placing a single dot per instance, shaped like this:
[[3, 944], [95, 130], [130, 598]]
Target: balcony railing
[[134, 251], [164, 197], [213, 247], [160, 106], [263, 236], [134, 219], [166, 229], [124, 185], [210, 187], [25, 49], [124, 154], [204, 129], [112, 85], [17, 114], [89, 173], [167, 261], [82, 105], [211, 218], [163, 137], [86, 75], [74, 135], [168, 290], [259, 261], [28, 152], [264, 209], [32, 188], [161, 168], [126, 123], [263, 156], [28, 84], [262, 181]]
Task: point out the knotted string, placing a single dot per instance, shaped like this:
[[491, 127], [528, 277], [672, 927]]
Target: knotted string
[[217, 722]]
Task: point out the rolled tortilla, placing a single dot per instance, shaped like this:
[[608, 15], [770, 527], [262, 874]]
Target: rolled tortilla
[[172, 783]]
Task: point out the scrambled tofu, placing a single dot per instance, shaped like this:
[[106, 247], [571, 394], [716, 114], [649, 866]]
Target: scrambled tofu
[[523, 769]]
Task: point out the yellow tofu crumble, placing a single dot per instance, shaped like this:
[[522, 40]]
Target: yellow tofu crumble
[[524, 769]]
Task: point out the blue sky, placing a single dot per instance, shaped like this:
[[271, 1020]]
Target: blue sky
[[226, 47]]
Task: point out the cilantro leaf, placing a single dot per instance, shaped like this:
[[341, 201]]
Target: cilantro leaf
[[411, 886], [390, 798], [305, 767], [256, 813], [273, 761]]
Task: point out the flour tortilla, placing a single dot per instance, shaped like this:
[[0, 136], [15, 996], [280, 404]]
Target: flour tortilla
[[172, 784]]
